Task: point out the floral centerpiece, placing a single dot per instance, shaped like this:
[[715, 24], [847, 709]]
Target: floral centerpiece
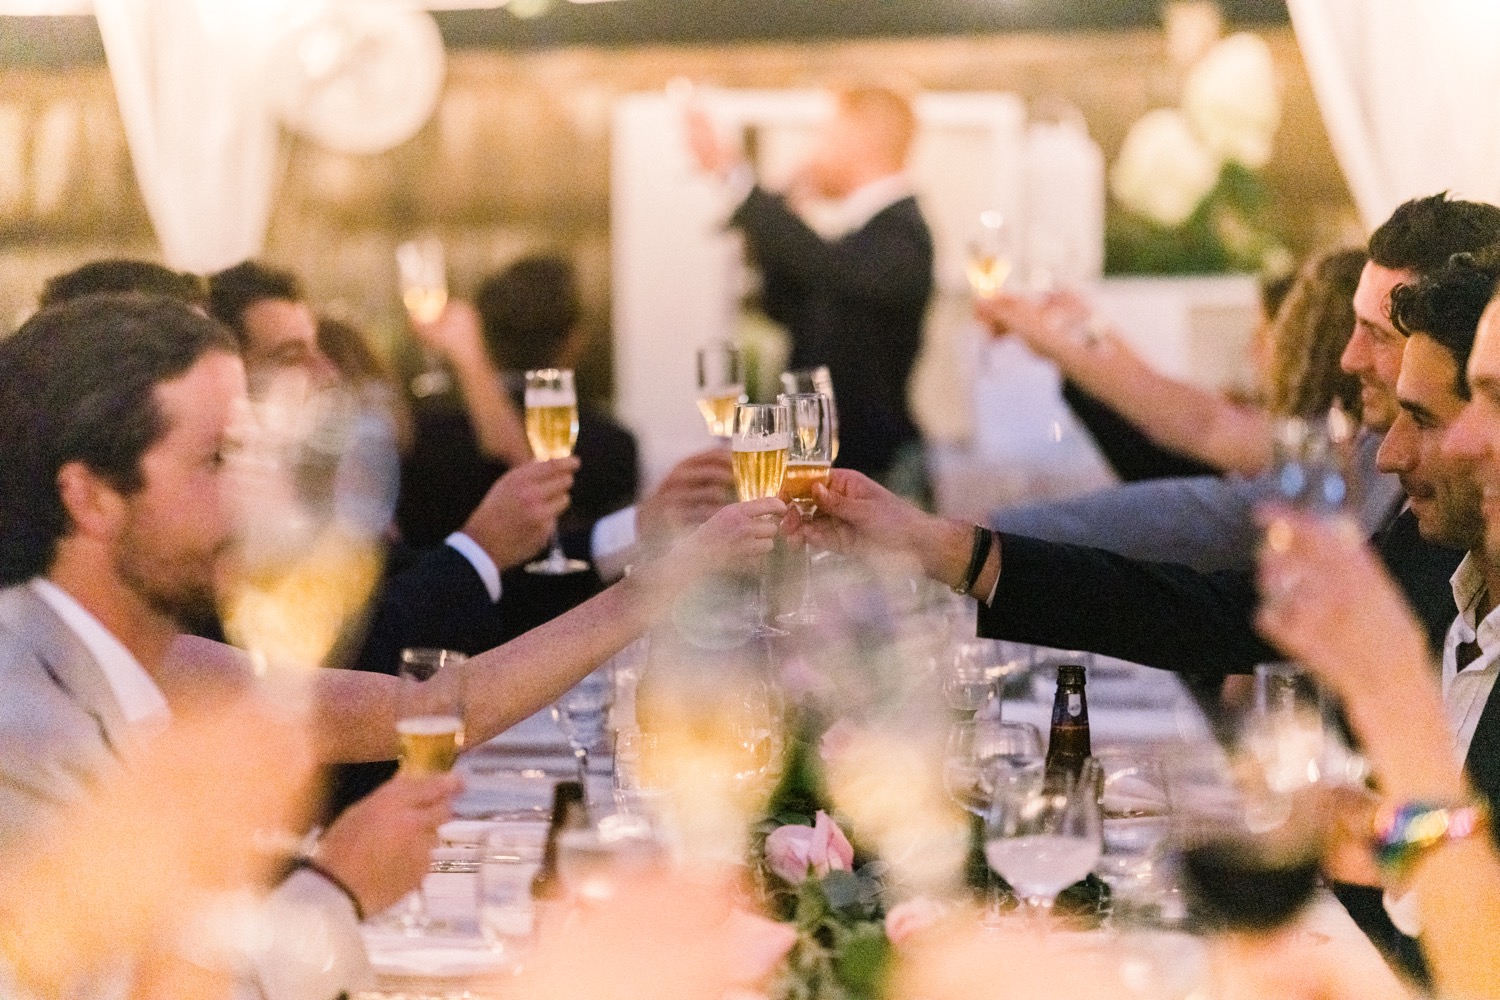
[[1187, 192]]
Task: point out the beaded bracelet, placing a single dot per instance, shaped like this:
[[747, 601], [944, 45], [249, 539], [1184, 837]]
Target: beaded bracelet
[[1405, 833]]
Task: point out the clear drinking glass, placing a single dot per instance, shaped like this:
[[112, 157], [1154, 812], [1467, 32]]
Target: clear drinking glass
[[552, 429], [1310, 461], [1042, 834], [430, 728], [760, 445], [980, 753], [809, 463], [583, 714], [1135, 824], [509, 861], [422, 271], [592, 862], [721, 387], [992, 253], [800, 381]]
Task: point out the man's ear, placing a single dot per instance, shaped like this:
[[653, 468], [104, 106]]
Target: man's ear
[[95, 508]]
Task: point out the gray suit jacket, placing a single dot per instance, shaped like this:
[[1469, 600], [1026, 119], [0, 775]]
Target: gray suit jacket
[[1201, 521], [62, 732]]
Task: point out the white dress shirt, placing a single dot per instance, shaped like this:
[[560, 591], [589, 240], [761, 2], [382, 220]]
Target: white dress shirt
[[141, 701], [1465, 693], [479, 559]]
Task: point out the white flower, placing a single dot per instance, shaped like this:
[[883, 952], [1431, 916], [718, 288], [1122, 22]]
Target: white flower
[[1233, 101], [1163, 171]]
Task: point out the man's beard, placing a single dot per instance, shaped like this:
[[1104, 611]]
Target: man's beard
[[187, 604]]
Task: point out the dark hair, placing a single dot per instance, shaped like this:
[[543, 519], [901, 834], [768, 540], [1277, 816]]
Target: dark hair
[[1423, 233], [1273, 292], [76, 385], [527, 311], [106, 277], [232, 291], [1446, 305], [1309, 334]]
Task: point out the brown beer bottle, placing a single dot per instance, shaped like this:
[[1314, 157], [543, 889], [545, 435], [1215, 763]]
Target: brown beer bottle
[[1068, 744], [568, 813]]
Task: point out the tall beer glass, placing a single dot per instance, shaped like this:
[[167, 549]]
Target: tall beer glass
[[430, 728], [552, 429], [760, 445]]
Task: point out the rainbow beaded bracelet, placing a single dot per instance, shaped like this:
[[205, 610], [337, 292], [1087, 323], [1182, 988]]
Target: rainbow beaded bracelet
[[1405, 833]]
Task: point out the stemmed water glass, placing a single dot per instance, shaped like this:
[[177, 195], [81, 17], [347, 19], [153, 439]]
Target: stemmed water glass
[[721, 387], [980, 753], [1042, 834], [552, 430], [800, 381], [992, 253], [760, 445], [421, 268], [582, 714], [809, 463]]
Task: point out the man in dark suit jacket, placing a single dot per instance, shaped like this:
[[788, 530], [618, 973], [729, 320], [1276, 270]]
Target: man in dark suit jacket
[[856, 301]]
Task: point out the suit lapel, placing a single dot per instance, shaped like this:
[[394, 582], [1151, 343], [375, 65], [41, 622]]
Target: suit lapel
[[1483, 762], [66, 660]]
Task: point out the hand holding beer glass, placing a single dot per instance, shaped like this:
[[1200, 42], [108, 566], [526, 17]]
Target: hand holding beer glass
[[430, 728], [809, 462], [721, 387], [760, 445], [552, 429]]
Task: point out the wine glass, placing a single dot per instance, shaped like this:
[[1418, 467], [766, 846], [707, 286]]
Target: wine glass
[[972, 672], [422, 270], [809, 462], [721, 387], [430, 727], [760, 445], [582, 714], [980, 753], [1042, 834], [1135, 821], [992, 252], [552, 429], [805, 380]]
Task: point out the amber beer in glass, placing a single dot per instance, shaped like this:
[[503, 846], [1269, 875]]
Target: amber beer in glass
[[429, 717]]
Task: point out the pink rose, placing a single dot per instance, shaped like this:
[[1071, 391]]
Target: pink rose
[[913, 917], [792, 850]]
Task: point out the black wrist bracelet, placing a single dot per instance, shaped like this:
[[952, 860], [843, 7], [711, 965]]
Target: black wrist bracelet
[[332, 879], [984, 539]]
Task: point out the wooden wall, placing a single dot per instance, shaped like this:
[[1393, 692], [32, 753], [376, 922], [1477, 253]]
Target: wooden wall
[[517, 157]]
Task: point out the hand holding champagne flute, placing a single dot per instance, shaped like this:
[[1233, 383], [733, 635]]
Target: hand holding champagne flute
[[809, 463], [805, 380], [991, 254], [721, 387], [760, 445], [422, 268], [552, 429]]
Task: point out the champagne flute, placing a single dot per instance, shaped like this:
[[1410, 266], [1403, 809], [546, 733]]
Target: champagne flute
[[760, 444], [1310, 459], [552, 429], [980, 753], [992, 254], [1042, 834], [804, 380], [430, 727], [809, 461], [721, 387], [422, 269], [581, 714]]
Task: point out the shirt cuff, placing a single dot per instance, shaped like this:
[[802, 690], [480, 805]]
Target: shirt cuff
[[1403, 911], [612, 543], [479, 559]]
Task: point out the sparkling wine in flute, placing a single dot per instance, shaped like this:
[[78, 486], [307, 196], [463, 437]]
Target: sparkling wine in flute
[[800, 479], [718, 410], [759, 466], [991, 254], [430, 743], [551, 426], [425, 305], [987, 273]]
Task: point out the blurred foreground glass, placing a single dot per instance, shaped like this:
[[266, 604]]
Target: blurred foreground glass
[[1042, 834], [1310, 461], [552, 430], [760, 447], [594, 861], [801, 381], [721, 387], [422, 271], [809, 463], [992, 253]]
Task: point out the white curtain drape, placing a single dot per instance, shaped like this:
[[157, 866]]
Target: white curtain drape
[[189, 77], [1410, 93]]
